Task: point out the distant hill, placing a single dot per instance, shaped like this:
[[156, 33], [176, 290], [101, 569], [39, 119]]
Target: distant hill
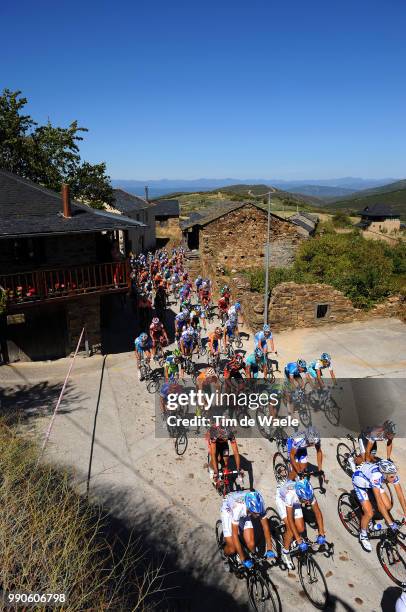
[[322, 191], [393, 194]]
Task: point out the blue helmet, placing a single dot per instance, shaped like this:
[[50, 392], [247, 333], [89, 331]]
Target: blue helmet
[[266, 329], [258, 353], [304, 490], [301, 363], [143, 337], [254, 502], [237, 306], [325, 357]]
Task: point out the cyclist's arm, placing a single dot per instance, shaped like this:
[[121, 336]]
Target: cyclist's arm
[[401, 496], [166, 372], [236, 454], [333, 376], [389, 446], [319, 455], [295, 464], [272, 345], [267, 533], [319, 518], [248, 371], [213, 457]]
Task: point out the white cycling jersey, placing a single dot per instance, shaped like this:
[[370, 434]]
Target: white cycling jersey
[[369, 476]]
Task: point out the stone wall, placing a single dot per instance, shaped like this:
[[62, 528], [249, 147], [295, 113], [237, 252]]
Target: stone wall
[[294, 305], [237, 240], [83, 312]]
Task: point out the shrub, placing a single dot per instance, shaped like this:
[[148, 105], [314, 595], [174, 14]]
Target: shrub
[[341, 219]]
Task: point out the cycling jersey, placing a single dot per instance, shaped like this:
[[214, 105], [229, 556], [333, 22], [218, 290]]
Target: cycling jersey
[[261, 340], [317, 365], [292, 369], [234, 512], [216, 432], [299, 445], [141, 347], [157, 331], [232, 312], [202, 377], [252, 362], [187, 339], [222, 304], [214, 341], [286, 497], [368, 476], [230, 326], [374, 434], [171, 365]]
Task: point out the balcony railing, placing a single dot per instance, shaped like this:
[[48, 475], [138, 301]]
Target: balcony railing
[[59, 283]]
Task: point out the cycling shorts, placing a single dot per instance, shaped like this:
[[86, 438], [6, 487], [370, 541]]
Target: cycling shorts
[[281, 507], [301, 455], [226, 517]]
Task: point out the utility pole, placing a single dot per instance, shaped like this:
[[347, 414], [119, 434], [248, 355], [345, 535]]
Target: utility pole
[[268, 248]]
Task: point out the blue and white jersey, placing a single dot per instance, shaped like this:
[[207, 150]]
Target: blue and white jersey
[[369, 476], [261, 340], [234, 503], [140, 347], [315, 365], [232, 312], [291, 369]]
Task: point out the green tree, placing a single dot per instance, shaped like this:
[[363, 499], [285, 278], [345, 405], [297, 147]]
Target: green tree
[[47, 154]]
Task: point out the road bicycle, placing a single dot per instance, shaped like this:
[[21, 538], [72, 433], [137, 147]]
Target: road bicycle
[[310, 573], [189, 367], [159, 356], [323, 400], [202, 350], [226, 481], [262, 595], [391, 547], [150, 376], [230, 350]]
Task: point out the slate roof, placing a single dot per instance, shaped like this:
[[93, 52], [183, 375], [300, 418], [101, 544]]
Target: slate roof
[[166, 208], [304, 220], [27, 209], [127, 202], [215, 212], [379, 210]]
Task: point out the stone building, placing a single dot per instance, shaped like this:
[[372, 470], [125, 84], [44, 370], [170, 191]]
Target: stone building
[[379, 218], [233, 236], [134, 207], [59, 270]]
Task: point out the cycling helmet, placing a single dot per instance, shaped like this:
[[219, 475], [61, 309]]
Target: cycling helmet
[[177, 352], [218, 331], [155, 321], [210, 373], [325, 357], [387, 467], [301, 363], [266, 329], [300, 440], [254, 502], [312, 435], [143, 337], [185, 313], [237, 306], [304, 490], [389, 427], [238, 358], [258, 353], [199, 278]]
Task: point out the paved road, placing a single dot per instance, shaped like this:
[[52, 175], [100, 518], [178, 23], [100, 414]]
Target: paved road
[[146, 486]]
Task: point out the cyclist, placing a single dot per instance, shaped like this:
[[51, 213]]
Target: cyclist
[[368, 439], [205, 294], [316, 367], [264, 340], [238, 510], [198, 284], [173, 365], [290, 497], [218, 439], [142, 347], [187, 342], [168, 388], [230, 330], [255, 363], [235, 312], [297, 446], [232, 370], [368, 481], [158, 335], [225, 292], [294, 371], [195, 317], [181, 320], [214, 344], [222, 306]]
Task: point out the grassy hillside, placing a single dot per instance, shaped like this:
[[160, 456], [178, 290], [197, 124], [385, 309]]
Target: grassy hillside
[[393, 194], [281, 200]]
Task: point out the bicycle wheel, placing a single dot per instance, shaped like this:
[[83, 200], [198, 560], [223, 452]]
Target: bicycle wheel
[[262, 416], [238, 342], [305, 414], [332, 411], [260, 594], [392, 557], [143, 371], [220, 537], [153, 385], [350, 514], [181, 443], [343, 453], [313, 582], [202, 350], [280, 467], [276, 527]]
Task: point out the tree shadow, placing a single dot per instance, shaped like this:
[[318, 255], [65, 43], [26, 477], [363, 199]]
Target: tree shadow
[[21, 403]]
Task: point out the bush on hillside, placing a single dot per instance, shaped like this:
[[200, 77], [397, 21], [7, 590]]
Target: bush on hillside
[[53, 541], [341, 219], [366, 271]]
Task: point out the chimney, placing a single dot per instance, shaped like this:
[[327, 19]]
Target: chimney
[[146, 194], [67, 213]]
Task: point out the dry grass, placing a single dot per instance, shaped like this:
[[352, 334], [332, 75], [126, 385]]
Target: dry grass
[[53, 541]]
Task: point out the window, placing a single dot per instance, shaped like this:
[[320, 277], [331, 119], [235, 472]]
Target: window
[[321, 311]]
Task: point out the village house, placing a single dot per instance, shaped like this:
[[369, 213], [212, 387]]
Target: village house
[[166, 214], [60, 269], [139, 209], [233, 236], [379, 218]]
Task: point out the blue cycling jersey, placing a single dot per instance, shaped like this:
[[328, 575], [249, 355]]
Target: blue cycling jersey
[[261, 340], [291, 369]]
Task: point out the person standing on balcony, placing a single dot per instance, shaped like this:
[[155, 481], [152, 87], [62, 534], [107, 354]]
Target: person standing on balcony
[[117, 258]]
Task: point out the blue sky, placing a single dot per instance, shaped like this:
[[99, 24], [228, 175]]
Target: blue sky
[[188, 89]]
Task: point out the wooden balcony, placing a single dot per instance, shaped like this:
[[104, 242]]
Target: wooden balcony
[[28, 288]]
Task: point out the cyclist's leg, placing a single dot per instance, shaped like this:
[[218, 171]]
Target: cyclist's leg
[[249, 535]]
